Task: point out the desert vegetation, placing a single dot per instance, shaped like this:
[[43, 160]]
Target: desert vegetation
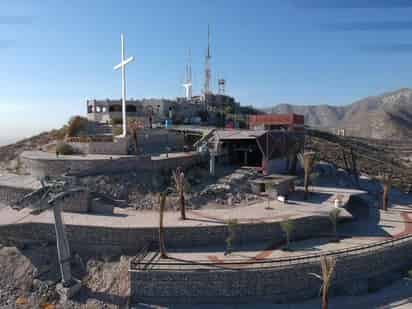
[[162, 204], [334, 217], [63, 148], [308, 161], [231, 237], [287, 227], [76, 126], [327, 265], [179, 183]]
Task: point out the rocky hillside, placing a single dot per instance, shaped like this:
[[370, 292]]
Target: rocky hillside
[[11, 152], [386, 116]]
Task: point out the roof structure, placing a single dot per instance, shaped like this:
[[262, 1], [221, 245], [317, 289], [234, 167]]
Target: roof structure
[[239, 134]]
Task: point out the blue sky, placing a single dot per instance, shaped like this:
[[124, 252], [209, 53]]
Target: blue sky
[[55, 54]]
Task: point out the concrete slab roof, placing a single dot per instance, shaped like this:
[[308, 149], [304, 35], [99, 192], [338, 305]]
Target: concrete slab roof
[[239, 134]]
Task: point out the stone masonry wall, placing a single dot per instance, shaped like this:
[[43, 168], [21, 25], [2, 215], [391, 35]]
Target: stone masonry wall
[[9, 195], [132, 239], [355, 273]]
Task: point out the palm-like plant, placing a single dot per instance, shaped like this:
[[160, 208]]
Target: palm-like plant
[[134, 129], [333, 217], [179, 181], [231, 227], [287, 227], [308, 160], [162, 203], [327, 265], [386, 180]]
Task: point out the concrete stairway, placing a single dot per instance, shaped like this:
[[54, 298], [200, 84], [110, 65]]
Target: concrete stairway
[[99, 129]]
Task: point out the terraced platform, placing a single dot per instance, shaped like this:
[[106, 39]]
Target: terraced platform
[[130, 230], [373, 250]]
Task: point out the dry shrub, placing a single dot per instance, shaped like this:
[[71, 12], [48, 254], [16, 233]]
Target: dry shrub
[[77, 125], [64, 149]]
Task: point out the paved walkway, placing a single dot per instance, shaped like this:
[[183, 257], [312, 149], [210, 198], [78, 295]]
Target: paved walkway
[[18, 181], [130, 218], [375, 227]]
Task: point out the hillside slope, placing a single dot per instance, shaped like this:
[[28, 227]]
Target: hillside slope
[[386, 116]]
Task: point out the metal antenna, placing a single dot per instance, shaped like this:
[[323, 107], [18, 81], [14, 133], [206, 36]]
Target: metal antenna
[[208, 71], [188, 79]]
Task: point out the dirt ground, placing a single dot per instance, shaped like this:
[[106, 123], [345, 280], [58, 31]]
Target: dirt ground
[[31, 281]]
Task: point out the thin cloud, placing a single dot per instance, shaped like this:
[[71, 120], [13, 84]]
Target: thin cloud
[[395, 48], [352, 4], [16, 20], [369, 26]]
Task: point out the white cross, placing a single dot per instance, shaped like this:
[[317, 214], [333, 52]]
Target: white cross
[[122, 65]]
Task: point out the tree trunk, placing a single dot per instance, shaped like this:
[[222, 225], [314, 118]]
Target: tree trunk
[[354, 167], [335, 230], [161, 228], [136, 146], [287, 241], [306, 192], [385, 195], [182, 205], [344, 160], [325, 299]]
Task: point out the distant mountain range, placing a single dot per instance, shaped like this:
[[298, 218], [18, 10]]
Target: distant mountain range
[[388, 116]]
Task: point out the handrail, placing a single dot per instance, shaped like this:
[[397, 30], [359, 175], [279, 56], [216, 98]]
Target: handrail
[[303, 259]]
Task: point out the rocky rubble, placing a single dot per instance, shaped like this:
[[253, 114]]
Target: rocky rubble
[[29, 277], [231, 188]]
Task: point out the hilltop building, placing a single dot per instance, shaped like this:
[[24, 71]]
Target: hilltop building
[[288, 122]]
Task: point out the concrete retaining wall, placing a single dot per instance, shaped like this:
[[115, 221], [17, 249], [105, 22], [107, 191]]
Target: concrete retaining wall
[[355, 274], [57, 166], [118, 147], [154, 141]]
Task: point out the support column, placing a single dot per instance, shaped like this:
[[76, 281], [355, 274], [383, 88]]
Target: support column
[[265, 166], [212, 164], [69, 286], [63, 249]]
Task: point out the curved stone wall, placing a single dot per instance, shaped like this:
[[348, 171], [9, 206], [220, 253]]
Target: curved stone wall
[[356, 273], [10, 195], [40, 165], [132, 239]]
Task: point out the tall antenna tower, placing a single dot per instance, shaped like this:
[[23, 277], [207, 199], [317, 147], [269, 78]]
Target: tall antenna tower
[[188, 79], [208, 71]]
